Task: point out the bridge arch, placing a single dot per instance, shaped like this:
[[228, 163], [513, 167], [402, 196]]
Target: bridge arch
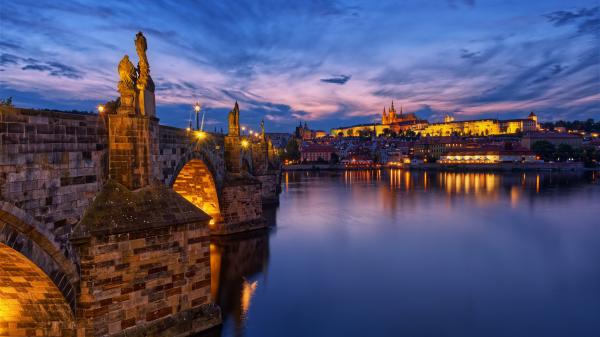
[[30, 303], [196, 180], [21, 233]]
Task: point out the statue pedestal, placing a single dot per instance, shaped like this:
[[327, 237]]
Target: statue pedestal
[[127, 106]]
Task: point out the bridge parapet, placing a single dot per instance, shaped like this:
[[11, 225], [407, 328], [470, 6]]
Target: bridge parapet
[[52, 164]]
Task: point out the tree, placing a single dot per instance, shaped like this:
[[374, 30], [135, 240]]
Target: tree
[[364, 133], [334, 158], [292, 150], [350, 132], [6, 102], [564, 152], [544, 149]]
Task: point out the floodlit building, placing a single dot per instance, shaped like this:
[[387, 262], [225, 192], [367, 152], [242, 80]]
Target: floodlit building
[[488, 155], [481, 127], [393, 122], [316, 152]]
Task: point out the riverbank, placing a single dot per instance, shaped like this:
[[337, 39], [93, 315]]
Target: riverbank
[[500, 167]]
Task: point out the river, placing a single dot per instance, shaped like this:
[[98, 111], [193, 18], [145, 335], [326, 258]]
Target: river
[[400, 253]]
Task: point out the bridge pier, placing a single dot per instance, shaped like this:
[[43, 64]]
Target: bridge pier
[[145, 264]]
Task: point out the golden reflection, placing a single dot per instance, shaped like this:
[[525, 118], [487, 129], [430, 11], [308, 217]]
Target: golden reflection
[[515, 195], [537, 183], [215, 270], [248, 290], [361, 176]]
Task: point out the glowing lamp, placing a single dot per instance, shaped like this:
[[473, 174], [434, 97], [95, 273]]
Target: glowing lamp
[[197, 107], [244, 143], [200, 135], [100, 108]]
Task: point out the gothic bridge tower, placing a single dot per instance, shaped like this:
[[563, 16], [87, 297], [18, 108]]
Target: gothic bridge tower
[[233, 141]]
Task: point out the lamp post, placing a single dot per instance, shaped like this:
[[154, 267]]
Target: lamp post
[[197, 110], [100, 108]]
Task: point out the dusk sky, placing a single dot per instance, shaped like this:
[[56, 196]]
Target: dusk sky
[[329, 63]]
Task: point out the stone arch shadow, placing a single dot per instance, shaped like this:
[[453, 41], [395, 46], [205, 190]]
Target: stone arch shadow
[[198, 180], [21, 232]]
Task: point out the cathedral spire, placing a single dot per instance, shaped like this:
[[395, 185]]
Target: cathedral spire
[[392, 107]]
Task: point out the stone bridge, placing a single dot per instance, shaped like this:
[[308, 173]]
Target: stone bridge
[[105, 219]]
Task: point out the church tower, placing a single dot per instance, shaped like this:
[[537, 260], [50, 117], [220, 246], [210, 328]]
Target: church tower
[[384, 117], [392, 114]]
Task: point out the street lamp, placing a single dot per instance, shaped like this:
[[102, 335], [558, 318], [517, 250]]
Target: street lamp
[[243, 129], [197, 110], [100, 108]]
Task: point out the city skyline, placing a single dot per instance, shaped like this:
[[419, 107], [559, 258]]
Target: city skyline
[[328, 63]]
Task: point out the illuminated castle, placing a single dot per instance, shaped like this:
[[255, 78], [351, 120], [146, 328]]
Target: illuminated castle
[[391, 122], [391, 117], [480, 127]]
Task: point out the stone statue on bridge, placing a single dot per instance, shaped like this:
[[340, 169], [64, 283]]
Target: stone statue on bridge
[[126, 86], [145, 103], [127, 75], [144, 80]]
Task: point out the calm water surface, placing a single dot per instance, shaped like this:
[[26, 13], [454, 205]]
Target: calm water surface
[[397, 253]]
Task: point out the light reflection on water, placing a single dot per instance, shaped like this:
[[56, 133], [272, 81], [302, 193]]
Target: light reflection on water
[[416, 253]]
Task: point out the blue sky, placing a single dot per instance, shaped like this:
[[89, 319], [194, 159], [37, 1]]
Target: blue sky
[[329, 63]]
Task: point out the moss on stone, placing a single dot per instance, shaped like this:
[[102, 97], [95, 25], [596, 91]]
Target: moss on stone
[[117, 209]]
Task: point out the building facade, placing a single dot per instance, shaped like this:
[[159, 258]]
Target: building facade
[[555, 138], [488, 155], [316, 152]]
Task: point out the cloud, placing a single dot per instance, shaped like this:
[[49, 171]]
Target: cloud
[[466, 54], [8, 59], [337, 79], [560, 18], [453, 3], [54, 69], [265, 54]]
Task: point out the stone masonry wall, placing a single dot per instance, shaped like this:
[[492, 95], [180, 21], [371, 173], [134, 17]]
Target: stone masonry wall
[[269, 191], [241, 208], [51, 164], [136, 280], [132, 149]]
